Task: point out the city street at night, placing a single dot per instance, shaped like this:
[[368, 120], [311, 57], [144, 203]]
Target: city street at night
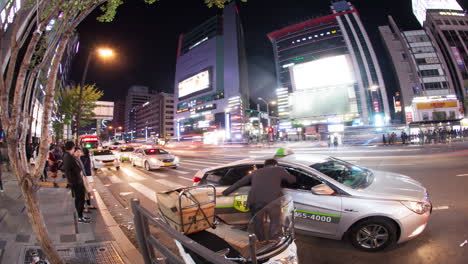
[[442, 169]]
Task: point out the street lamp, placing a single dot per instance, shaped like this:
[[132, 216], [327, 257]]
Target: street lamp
[[104, 53], [268, 109]]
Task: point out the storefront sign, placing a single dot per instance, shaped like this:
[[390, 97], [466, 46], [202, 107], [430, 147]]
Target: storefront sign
[[432, 105]]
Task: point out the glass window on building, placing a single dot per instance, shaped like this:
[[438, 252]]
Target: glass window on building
[[446, 22], [425, 116], [438, 22], [454, 22], [461, 22], [436, 115]]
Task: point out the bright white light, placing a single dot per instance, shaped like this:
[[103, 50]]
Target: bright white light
[[326, 72], [194, 84], [420, 7], [379, 120]]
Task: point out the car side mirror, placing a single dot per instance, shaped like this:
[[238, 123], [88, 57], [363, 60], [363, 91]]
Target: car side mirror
[[322, 189]]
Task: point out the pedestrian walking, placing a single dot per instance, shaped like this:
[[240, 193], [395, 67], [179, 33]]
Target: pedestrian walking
[[53, 165], [384, 140], [335, 141], [73, 172], [265, 187]]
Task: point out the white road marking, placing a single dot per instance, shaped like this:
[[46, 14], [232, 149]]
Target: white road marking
[[440, 208], [169, 184], [180, 172], [157, 174], [202, 162], [125, 193], [462, 175], [132, 174], [115, 179], [183, 178], [147, 192]]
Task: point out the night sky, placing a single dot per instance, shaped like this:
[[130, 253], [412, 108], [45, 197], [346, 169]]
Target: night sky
[[146, 36]]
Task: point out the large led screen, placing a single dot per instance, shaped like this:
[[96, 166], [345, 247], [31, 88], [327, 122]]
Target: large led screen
[[326, 72], [195, 83]]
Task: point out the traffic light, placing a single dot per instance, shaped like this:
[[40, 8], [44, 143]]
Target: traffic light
[[251, 111]]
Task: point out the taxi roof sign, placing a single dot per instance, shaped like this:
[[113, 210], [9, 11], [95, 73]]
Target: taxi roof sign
[[283, 152]]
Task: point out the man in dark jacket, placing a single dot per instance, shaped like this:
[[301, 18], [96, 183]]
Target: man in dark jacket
[[265, 188], [73, 173]]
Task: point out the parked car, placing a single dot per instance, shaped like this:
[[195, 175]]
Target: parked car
[[334, 199], [154, 158], [124, 153], [104, 158]]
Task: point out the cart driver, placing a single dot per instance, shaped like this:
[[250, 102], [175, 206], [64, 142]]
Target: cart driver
[[265, 188]]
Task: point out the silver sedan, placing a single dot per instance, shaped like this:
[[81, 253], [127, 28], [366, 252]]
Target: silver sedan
[[334, 199], [154, 158]]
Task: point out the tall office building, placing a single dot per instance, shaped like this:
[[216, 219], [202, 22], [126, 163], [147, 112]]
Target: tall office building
[[449, 32], [211, 90], [119, 114], [136, 96], [420, 7], [328, 73], [155, 118], [427, 92]]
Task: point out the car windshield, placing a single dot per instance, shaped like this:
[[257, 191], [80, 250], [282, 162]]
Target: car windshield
[[127, 149], [155, 151], [102, 152], [343, 172]]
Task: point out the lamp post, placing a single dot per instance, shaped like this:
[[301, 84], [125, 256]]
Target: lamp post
[[103, 53]]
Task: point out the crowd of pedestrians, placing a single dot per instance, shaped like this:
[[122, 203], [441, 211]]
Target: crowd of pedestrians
[[436, 136]]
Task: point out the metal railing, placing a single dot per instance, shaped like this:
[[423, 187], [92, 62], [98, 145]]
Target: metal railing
[[148, 243]]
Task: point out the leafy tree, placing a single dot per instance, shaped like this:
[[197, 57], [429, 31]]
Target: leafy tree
[[41, 51]]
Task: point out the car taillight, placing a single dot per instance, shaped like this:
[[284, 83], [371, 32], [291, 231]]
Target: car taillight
[[196, 179]]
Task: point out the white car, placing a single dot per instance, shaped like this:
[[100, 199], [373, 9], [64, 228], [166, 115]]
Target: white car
[[104, 158], [124, 153], [154, 158]]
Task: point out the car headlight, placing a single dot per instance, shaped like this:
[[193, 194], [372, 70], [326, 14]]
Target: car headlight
[[176, 160], [155, 161], [417, 207]]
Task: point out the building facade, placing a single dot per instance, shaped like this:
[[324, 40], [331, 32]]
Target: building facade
[[449, 32], [211, 86], [119, 114], [420, 7], [155, 118], [422, 75], [328, 74], [136, 96]]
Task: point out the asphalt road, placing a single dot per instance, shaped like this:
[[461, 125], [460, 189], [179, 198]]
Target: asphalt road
[[443, 170]]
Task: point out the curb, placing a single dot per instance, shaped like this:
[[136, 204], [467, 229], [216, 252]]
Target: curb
[[126, 249]]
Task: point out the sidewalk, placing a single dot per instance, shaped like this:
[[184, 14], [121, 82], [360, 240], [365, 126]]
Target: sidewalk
[[102, 241]]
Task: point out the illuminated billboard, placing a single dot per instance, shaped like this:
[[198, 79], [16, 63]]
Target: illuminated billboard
[[326, 72], [322, 88], [198, 83]]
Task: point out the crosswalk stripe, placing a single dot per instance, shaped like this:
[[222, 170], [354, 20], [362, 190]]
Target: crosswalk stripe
[[183, 178], [180, 171], [132, 174], [115, 179], [158, 174], [169, 184], [147, 192], [201, 162]]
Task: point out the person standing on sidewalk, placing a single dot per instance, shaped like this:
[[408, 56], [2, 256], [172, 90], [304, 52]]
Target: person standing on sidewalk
[[73, 173], [53, 165], [86, 160], [78, 153]]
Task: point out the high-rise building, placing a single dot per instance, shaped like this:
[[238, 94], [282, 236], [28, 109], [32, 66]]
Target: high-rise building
[[136, 96], [420, 7], [119, 114], [211, 90], [427, 92], [328, 73], [449, 32], [155, 118]]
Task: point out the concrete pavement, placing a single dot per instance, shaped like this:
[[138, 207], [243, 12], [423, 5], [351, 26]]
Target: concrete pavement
[[102, 241]]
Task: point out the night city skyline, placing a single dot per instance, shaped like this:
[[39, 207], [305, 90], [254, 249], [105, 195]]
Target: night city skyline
[[150, 60]]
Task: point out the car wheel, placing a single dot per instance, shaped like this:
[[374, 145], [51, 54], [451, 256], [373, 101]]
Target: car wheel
[[147, 166], [117, 168], [174, 167], [373, 235]]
